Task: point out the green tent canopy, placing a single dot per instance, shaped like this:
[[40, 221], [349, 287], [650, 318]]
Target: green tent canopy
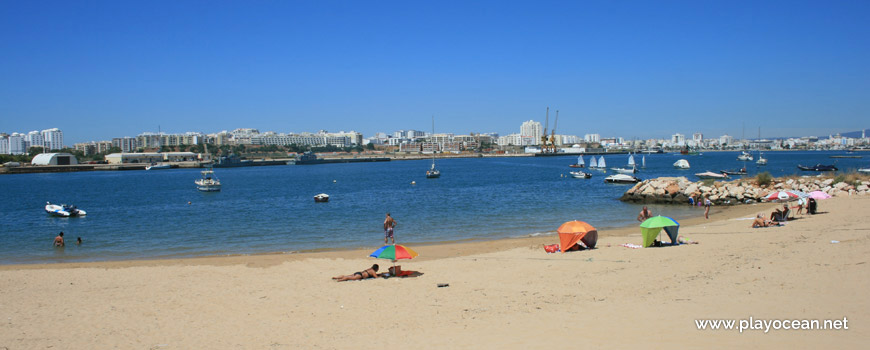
[[651, 227]]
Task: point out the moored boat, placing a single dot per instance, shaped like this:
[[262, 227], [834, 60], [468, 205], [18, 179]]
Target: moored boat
[[681, 164], [818, 167], [621, 179], [711, 175], [158, 166], [745, 156], [320, 198], [209, 181], [734, 171], [580, 175], [761, 160], [63, 210], [580, 163]]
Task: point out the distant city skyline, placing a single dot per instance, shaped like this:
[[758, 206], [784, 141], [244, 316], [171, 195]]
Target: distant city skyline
[[629, 69]]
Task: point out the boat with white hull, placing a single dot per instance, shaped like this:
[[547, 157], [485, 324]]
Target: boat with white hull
[[580, 175], [621, 179], [63, 210], [209, 181]]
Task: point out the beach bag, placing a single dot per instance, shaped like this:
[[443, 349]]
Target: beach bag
[[552, 248]]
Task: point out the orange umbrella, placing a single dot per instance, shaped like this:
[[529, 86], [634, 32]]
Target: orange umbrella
[[575, 231]]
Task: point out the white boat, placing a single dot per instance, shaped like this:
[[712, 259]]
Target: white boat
[[745, 156], [601, 163], [63, 210], [621, 179], [320, 198], [864, 170], [209, 182], [631, 161], [158, 166], [580, 163], [631, 169], [711, 175], [761, 160], [643, 162], [681, 164], [580, 175]]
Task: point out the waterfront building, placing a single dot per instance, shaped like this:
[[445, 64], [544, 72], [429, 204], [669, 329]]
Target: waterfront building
[[52, 138], [54, 159], [517, 140], [410, 147], [4, 143], [726, 140], [592, 138], [678, 139], [532, 129], [153, 157]]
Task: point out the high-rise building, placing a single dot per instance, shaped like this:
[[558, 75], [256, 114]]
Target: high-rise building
[[53, 139], [16, 144], [4, 143], [592, 138], [533, 130], [34, 139], [678, 139], [698, 137]]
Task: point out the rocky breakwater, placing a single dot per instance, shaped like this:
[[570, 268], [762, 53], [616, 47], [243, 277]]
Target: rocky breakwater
[[678, 190]]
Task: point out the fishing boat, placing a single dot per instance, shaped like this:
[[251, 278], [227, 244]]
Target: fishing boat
[[745, 156], [433, 173], [621, 179], [711, 175], [63, 210], [580, 163], [818, 167], [321, 198], [209, 181], [761, 160], [158, 166], [681, 164], [580, 175]]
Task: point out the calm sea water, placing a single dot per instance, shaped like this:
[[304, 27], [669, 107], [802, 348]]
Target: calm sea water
[[145, 214]]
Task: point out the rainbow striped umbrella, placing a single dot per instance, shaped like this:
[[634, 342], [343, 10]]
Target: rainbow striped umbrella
[[394, 252]]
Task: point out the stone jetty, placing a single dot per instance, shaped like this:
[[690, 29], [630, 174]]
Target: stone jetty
[[678, 190]]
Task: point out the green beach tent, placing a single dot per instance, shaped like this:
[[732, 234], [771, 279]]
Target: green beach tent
[[651, 227]]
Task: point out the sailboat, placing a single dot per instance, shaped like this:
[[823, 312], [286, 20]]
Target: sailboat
[[631, 169], [593, 164], [433, 173], [580, 163], [643, 162], [601, 163]]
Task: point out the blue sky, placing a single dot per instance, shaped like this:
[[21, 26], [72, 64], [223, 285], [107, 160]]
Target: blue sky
[[103, 69]]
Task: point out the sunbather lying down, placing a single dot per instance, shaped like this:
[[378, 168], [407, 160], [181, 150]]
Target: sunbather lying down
[[367, 273], [761, 222]]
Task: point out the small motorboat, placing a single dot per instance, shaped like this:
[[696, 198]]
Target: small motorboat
[[745, 156], [864, 170], [209, 182], [321, 198], [734, 172], [621, 179], [625, 170], [63, 210], [580, 175], [818, 167], [761, 160], [711, 175], [681, 164], [158, 166]]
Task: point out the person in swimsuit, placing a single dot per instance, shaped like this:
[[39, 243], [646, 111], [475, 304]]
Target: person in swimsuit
[[644, 214], [389, 223], [367, 273], [58, 241], [707, 204]]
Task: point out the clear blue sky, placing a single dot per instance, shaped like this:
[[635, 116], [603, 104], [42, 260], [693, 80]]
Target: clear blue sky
[[102, 69]]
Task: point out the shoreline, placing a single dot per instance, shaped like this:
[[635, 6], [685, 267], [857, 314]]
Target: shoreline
[[438, 249], [506, 294]]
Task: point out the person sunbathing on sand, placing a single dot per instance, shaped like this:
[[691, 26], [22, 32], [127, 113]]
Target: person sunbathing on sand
[[761, 222], [367, 273]]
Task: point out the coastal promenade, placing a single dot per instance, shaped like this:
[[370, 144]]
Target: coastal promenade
[[501, 294]]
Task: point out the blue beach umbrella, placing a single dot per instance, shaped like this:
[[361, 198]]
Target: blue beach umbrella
[[651, 228]]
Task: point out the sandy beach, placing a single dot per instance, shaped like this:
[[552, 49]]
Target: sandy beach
[[501, 294]]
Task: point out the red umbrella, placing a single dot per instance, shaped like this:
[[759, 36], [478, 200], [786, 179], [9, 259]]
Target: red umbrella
[[783, 196]]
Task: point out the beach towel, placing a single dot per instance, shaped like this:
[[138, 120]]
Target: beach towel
[[632, 246]]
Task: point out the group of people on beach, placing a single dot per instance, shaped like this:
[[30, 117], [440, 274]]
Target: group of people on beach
[[779, 216], [371, 272]]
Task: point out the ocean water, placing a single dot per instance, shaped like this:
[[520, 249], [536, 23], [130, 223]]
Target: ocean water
[[145, 214]]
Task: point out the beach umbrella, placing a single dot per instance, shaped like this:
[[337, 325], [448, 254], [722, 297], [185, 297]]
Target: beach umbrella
[[651, 228], [394, 252], [572, 232], [819, 195], [783, 196]]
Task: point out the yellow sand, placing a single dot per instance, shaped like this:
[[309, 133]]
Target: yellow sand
[[502, 294]]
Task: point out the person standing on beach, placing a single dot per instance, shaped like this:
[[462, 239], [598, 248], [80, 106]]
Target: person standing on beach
[[707, 204], [644, 214], [389, 224], [58, 241]]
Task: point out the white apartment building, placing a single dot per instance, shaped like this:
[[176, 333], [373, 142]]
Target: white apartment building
[[678, 139], [592, 138], [517, 140], [53, 139], [16, 144], [4, 143], [726, 140], [532, 129], [126, 144], [34, 139]]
